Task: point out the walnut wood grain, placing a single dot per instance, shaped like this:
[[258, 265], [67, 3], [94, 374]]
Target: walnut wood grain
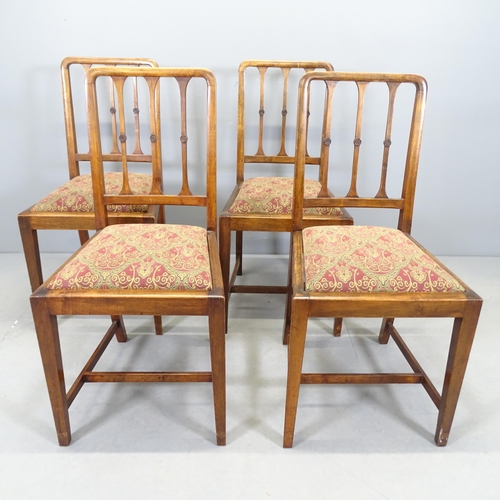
[[48, 304], [464, 306]]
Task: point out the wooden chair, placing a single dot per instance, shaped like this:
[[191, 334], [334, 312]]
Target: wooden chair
[[264, 203], [367, 271], [71, 205], [143, 269]]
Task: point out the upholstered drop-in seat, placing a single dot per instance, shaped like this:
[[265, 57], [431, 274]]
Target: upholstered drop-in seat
[[76, 195], [274, 195], [140, 256], [370, 259]]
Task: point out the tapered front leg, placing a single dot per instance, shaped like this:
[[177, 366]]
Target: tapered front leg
[[29, 238], [50, 350], [298, 327], [464, 330], [218, 359]]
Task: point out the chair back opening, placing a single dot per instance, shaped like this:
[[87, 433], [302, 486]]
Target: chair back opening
[[267, 100], [74, 72], [370, 141], [178, 135]]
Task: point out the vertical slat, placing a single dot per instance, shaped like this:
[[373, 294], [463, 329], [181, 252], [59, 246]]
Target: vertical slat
[[325, 137], [120, 83], [357, 139], [262, 71], [155, 133], [284, 111], [307, 70], [137, 149], [183, 82], [112, 110], [382, 192]]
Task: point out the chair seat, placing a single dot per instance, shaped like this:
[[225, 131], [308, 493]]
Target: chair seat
[[76, 195], [140, 256], [273, 195], [370, 259]]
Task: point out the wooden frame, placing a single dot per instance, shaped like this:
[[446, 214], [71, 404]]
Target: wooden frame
[[31, 221], [240, 222], [464, 306], [49, 302]]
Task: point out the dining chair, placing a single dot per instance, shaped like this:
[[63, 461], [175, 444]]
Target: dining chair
[[71, 205], [144, 269], [266, 90], [371, 271]]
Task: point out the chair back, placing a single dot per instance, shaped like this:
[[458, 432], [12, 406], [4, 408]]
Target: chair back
[[388, 131], [268, 88], [74, 71], [166, 124]]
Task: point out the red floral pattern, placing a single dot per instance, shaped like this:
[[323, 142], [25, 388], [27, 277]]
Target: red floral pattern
[[140, 256], [76, 195], [370, 259], [274, 195]]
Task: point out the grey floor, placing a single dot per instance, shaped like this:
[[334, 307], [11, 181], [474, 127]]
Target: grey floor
[[157, 441]]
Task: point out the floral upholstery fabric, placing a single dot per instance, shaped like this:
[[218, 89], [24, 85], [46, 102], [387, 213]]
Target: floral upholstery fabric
[[369, 259], [76, 195], [140, 256], [274, 195]]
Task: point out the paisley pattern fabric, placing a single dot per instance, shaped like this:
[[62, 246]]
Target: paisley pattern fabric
[[369, 259], [76, 195], [140, 256], [274, 195]]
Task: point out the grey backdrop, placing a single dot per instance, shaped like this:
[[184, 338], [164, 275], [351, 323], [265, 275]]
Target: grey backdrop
[[455, 45]]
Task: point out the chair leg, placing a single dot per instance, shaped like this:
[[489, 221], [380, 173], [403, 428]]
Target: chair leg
[[121, 333], [288, 303], [50, 350], [298, 330], [158, 325], [385, 334], [29, 238], [216, 325], [337, 327], [84, 236], [225, 257], [161, 215], [239, 252], [464, 330], [286, 323]]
